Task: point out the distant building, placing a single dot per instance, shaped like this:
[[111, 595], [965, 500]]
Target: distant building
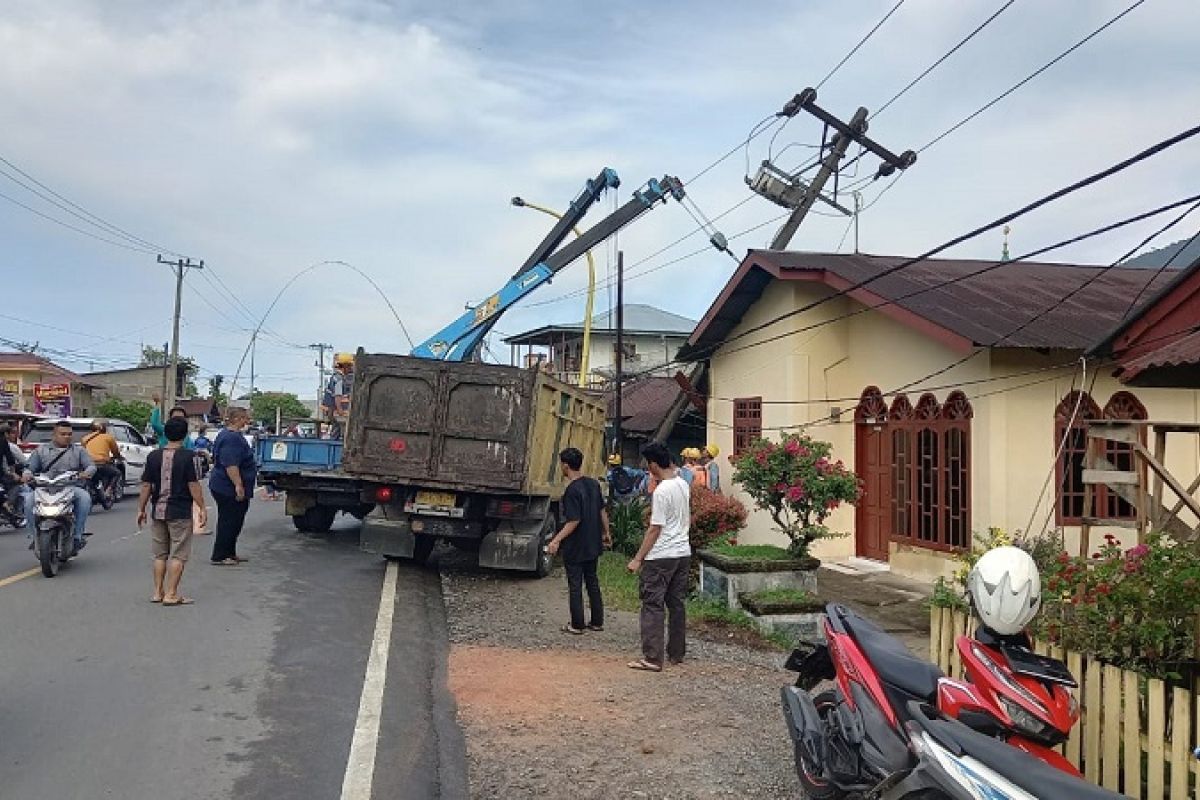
[[135, 383], [652, 337], [200, 411], [20, 372]]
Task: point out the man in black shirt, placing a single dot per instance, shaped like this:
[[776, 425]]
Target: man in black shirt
[[171, 483], [581, 540]]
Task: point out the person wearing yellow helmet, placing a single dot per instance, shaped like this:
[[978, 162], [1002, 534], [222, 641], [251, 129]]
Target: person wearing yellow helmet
[[624, 483], [335, 404], [691, 463], [708, 460]]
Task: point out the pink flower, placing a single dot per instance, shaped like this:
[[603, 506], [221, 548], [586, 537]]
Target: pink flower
[[795, 494], [792, 447], [781, 487], [1138, 552]]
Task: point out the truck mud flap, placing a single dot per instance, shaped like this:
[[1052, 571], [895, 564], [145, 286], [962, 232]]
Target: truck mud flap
[[299, 502], [387, 537], [518, 546]]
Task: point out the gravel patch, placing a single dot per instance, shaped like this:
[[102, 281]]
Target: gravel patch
[[547, 714]]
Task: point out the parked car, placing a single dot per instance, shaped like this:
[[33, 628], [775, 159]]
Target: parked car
[[133, 446]]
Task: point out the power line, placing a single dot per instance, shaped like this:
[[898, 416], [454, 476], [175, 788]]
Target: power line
[[76, 210], [1058, 194], [1029, 77], [861, 42], [945, 56], [1159, 272], [75, 228], [1091, 279], [976, 273]]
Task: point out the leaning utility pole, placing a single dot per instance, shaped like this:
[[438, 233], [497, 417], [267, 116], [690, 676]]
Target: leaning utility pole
[[791, 192], [619, 365], [320, 347], [179, 265]]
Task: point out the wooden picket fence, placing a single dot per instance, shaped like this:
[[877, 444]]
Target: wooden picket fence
[[1135, 734]]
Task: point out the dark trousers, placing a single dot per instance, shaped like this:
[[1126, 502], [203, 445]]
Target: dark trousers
[[579, 573], [664, 587], [231, 514]]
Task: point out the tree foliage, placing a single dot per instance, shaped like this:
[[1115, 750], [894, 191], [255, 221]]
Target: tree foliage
[[135, 412], [263, 405]]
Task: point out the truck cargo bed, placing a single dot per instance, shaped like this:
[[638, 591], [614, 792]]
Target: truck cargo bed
[[466, 426]]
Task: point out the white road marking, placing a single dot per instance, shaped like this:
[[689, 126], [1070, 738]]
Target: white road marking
[[360, 767]]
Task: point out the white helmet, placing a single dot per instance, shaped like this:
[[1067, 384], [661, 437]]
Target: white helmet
[[1005, 589]]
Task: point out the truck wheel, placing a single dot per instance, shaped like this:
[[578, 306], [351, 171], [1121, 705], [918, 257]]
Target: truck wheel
[[318, 519], [423, 548], [545, 562]]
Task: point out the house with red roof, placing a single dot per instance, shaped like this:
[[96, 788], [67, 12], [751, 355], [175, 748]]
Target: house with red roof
[[958, 390]]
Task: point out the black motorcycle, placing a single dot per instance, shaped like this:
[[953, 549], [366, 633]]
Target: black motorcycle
[[10, 506], [107, 486]]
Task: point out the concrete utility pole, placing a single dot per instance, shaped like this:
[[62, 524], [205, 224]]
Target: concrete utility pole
[[179, 265], [783, 188], [320, 347], [619, 366]]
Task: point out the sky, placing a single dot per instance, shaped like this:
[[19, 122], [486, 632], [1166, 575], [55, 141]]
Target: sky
[[280, 142]]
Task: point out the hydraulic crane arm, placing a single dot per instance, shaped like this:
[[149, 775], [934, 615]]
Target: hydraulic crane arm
[[607, 179], [460, 340]]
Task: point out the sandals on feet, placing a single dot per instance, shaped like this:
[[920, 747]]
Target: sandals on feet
[[178, 601], [572, 631], [644, 665], [228, 562], [597, 628]]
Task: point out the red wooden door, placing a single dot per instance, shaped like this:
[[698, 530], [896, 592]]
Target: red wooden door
[[874, 468]]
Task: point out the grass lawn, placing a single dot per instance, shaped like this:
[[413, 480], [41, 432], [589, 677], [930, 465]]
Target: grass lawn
[[797, 596], [620, 589], [756, 552]]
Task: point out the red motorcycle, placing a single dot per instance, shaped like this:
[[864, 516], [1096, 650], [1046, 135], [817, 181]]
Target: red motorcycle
[[880, 730], [1014, 694]]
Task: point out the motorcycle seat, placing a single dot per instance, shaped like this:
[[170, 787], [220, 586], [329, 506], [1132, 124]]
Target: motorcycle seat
[[891, 659], [1018, 767]]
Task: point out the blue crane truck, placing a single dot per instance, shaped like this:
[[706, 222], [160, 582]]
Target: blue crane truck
[[442, 446]]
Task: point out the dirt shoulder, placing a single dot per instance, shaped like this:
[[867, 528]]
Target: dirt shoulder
[[547, 714]]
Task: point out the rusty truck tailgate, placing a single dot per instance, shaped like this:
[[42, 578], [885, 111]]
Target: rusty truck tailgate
[[432, 422]]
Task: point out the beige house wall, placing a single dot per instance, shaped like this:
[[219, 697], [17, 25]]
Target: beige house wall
[[1013, 393]]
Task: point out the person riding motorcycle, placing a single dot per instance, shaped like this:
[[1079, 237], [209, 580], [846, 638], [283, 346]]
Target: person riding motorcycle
[[102, 447], [10, 471], [58, 456], [335, 404]]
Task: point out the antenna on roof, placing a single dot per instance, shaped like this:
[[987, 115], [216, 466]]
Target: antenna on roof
[[1004, 252]]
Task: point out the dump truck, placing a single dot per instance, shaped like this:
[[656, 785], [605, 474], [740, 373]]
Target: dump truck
[[442, 446]]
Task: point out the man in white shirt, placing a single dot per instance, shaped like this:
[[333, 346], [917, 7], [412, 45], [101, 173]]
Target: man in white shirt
[[664, 561]]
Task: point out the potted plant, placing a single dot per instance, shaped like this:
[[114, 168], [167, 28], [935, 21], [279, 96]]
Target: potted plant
[[796, 482]]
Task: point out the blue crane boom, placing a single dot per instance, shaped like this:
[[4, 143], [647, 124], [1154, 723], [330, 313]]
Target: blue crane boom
[[461, 339]]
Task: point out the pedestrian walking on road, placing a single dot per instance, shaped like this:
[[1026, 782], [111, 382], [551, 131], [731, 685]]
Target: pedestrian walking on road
[[171, 486], [664, 560], [231, 485], [581, 541]]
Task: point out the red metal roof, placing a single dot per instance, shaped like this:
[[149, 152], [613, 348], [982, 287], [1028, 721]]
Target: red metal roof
[[1179, 353], [646, 403], [944, 299], [35, 363]]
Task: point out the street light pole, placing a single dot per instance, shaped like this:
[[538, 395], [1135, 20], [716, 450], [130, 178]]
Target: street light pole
[[585, 356]]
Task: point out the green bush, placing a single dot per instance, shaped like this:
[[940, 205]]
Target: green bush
[[627, 524], [135, 412]]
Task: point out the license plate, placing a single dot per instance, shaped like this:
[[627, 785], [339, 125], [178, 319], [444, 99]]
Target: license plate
[[436, 499]]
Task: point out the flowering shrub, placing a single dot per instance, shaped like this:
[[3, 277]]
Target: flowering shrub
[[1134, 608], [795, 482], [715, 518]]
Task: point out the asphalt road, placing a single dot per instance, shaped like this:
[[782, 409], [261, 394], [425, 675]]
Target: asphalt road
[[253, 692]]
